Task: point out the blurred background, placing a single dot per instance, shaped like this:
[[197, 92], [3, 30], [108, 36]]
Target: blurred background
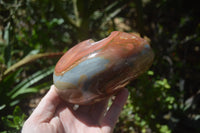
[[34, 34]]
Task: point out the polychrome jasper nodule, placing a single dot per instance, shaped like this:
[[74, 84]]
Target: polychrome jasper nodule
[[92, 71]]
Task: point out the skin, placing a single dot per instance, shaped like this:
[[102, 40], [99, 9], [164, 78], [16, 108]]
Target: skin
[[53, 115]]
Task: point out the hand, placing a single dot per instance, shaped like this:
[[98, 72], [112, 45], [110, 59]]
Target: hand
[[53, 115]]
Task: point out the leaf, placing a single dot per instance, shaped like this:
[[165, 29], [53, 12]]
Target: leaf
[[15, 102], [29, 59], [9, 80], [8, 122], [2, 107], [5, 85], [100, 16], [14, 121], [7, 50], [7, 55], [17, 121], [21, 88], [111, 15], [17, 111], [151, 73]]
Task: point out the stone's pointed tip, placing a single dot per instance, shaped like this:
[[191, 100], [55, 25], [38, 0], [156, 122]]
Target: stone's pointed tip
[[91, 41]]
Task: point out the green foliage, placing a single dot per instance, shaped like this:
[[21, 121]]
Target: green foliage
[[11, 97], [146, 103], [13, 123], [21, 41]]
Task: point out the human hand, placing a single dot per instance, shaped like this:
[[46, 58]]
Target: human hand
[[53, 115]]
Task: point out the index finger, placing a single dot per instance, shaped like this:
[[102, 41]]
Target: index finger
[[114, 111], [47, 107]]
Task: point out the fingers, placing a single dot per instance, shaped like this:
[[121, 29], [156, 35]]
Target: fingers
[[94, 108], [57, 124], [113, 113], [67, 117], [47, 106], [98, 110]]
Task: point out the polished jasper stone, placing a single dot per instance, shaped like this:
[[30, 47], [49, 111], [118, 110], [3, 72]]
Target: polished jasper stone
[[92, 71]]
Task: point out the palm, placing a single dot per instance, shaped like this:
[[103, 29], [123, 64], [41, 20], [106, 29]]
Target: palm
[[54, 115]]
